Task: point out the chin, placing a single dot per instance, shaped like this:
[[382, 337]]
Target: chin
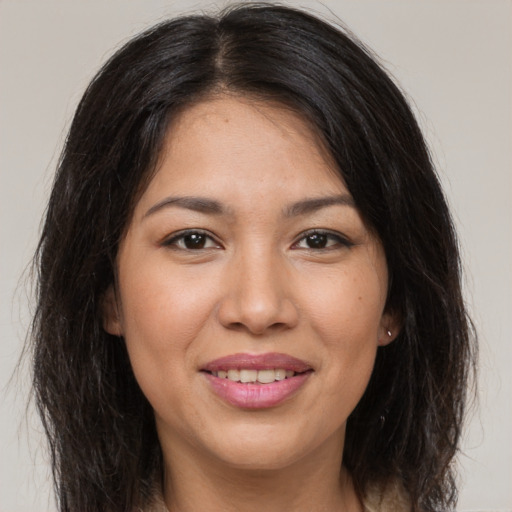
[[258, 461], [265, 448]]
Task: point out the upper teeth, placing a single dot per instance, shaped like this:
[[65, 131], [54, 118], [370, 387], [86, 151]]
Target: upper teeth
[[261, 376]]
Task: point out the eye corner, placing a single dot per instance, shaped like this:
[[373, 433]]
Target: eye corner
[[191, 240], [322, 240]]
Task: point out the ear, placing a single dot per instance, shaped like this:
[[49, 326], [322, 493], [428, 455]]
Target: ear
[[110, 313], [389, 328]]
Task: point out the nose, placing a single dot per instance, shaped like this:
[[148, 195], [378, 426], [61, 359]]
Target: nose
[[258, 297]]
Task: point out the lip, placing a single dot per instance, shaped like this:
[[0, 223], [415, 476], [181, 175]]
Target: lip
[[257, 396], [257, 362]]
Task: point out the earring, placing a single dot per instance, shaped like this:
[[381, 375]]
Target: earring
[[388, 332], [382, 418]]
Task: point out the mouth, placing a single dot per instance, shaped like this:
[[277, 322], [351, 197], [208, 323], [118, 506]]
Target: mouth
[[246, 375], [256, 381]]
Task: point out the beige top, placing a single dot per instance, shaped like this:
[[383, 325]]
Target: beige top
[[392, 499]]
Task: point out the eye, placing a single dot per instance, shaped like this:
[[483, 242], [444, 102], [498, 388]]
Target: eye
[[318, 240], [192, 240]]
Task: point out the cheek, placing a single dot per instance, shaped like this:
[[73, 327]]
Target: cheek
[[345, 314], [347, 306], [162, 313], [162, 306]]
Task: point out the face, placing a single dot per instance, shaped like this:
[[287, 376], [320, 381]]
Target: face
[[251, 295]]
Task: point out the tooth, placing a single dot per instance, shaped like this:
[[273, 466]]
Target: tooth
[[222, 374], [248, 375], [234, 375], [280, 374], [289, 373], [266, 376]]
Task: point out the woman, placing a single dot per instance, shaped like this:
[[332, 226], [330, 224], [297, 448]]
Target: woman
[[249, 283]]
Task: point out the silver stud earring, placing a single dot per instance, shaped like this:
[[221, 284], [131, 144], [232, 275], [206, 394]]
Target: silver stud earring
[[388, 332]]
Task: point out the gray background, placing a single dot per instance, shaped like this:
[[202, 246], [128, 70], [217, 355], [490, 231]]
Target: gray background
[[453, 57]]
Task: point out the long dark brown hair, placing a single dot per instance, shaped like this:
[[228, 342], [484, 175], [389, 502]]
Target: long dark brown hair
[[100, 427]]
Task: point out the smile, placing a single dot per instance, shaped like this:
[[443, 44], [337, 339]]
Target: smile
[[260, 376], [256, 381]]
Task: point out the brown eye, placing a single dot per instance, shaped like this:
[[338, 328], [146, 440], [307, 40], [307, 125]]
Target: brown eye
[[192, 241], [318, 240], [195, 241]]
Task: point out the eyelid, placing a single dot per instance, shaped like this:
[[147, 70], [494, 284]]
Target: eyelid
[[343, 240], [170, 241]]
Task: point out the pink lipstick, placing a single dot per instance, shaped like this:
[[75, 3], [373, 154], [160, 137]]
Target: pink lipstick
[[256, 381]]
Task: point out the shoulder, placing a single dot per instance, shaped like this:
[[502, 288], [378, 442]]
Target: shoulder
[[389, 498], [156, 503]]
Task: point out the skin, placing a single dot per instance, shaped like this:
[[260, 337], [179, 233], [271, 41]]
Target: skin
[[255, 286]]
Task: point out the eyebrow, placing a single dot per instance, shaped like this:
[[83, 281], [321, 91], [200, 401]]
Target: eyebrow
[[197, 204], [317, 203], [213, 207]]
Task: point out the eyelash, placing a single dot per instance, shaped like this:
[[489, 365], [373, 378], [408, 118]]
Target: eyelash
[[174, 241], [340, 240], [177, 238]]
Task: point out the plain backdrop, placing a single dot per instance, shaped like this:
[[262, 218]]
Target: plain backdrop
[[452, 57]]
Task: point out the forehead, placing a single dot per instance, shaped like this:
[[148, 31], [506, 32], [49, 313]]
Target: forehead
[[230, 147], [229, 109]]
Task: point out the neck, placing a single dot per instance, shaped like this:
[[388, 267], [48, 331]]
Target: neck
[[314, 483]]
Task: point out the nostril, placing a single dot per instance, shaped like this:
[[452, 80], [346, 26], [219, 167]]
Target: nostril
[[262, 328], [237, 326], [257, 313]]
